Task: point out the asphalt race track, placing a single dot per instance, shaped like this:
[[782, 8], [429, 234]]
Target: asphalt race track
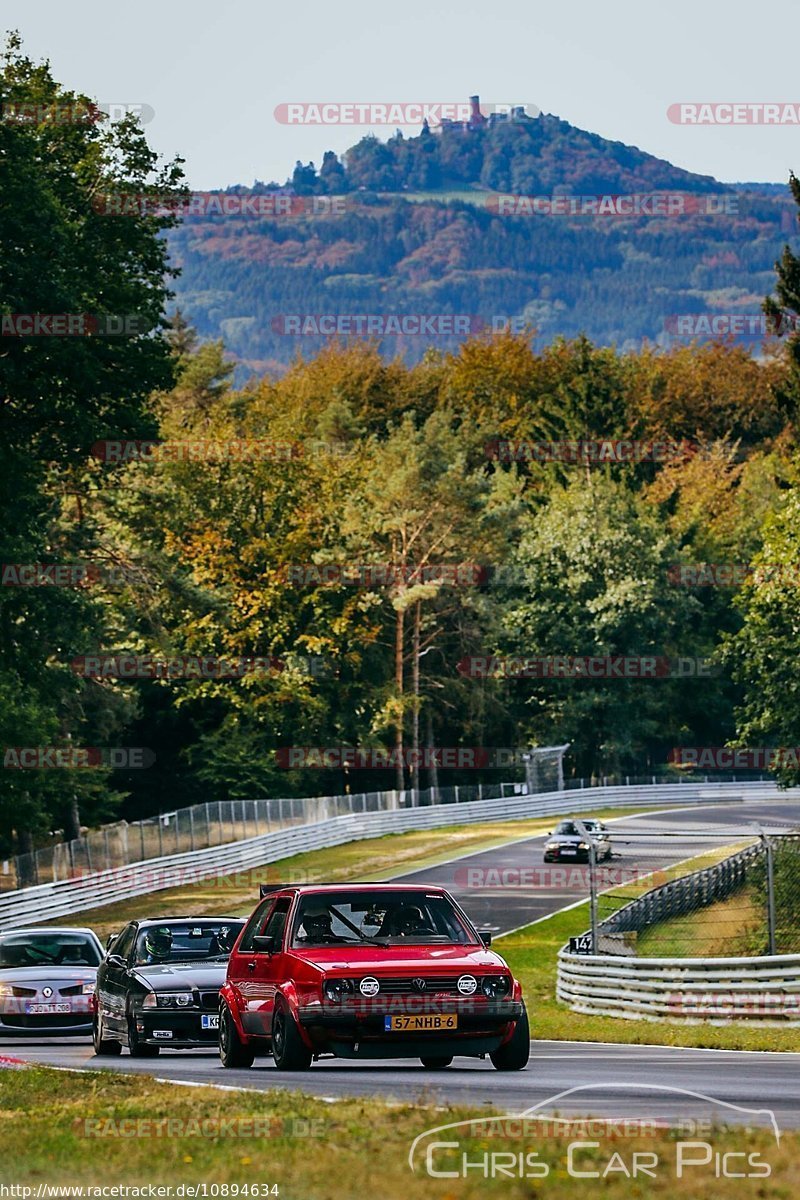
[[614, 1080], [508, 900]]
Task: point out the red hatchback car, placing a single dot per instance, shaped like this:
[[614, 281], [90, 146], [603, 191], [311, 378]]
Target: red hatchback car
[[368, 971]]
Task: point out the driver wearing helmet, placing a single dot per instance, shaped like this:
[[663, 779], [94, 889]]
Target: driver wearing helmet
[[157, 945], [316, 924], [408, 920]]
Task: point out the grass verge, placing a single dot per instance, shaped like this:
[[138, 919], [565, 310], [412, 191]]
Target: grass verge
[[98, 1129]]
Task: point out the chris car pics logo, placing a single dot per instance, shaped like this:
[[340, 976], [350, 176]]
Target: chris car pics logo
[[594, 1147]]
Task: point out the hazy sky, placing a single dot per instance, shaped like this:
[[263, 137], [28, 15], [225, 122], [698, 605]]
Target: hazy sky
[[214, 72]]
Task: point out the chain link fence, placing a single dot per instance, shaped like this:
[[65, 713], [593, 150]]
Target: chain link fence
[[214, 824], [691, 893], [219, 822]]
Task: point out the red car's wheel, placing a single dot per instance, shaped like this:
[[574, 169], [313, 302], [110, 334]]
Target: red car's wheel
[[288, 1049], [514, 1055], [232, 1050]]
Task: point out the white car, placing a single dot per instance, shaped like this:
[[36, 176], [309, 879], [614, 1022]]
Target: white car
[[47, 981]]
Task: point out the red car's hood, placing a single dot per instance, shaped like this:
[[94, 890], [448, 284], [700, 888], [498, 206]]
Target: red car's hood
[[389, 960]]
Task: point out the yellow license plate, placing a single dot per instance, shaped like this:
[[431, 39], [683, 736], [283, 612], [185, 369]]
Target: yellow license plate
[[420, 1024]]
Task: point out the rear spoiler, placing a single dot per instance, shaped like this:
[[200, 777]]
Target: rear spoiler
[[266, 889]]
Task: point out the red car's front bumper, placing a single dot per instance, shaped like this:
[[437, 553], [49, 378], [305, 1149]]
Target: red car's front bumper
[[356, 1030]]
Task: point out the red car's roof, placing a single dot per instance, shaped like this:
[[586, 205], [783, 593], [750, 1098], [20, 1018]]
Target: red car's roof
[[308, 888]]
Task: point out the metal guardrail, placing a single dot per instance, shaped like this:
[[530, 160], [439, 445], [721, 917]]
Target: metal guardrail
[[763, 990], [49, 901], [216, 823]]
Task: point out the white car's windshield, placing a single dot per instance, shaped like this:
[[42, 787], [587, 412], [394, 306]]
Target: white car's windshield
[[48, 949]]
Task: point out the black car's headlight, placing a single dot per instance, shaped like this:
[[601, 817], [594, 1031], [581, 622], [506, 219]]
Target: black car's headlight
[[337, 989], [495, 985], [168, 1000]]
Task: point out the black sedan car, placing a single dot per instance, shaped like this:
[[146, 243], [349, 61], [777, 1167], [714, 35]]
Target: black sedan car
[[567, 843], [159, 983]]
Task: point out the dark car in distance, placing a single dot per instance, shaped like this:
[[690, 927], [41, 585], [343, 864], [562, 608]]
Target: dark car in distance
[[368, 971], [567, 844], [159, 985]]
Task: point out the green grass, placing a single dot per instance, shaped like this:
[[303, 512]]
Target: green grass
[[730, 927], [66, 1128]]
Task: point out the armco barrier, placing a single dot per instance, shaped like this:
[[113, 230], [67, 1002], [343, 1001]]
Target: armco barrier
[[48, 901], [761, 991]]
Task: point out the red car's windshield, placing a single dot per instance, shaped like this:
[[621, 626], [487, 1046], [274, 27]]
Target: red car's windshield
[[389, 918]]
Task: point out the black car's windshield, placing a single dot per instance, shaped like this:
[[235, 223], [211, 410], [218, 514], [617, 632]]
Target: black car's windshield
[[567, 829], [170, 942], [388, 918], [48, 949]]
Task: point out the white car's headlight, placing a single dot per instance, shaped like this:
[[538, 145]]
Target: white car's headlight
[[6, 989], [87, 989]]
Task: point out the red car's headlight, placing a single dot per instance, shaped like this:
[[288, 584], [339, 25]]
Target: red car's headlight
[[337, 989], [495, 986]]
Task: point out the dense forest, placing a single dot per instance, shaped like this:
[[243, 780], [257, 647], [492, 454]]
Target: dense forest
[[439, 224], [347, 534]]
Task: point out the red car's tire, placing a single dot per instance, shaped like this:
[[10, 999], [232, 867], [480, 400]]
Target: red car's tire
[[436, 1062], [514, 1055], [232, 1050], [288, 1048]]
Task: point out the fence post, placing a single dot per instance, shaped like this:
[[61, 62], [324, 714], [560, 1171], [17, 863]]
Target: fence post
[[160, 836], [593, 892], [191, 828], [770, 892]]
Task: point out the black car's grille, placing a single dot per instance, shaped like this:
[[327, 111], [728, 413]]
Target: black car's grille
[[210, 1000], [45, 1020]]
